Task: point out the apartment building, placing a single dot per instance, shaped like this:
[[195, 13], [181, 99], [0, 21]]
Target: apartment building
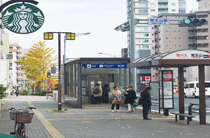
[[14, 70], [173, 37], [145, 9]]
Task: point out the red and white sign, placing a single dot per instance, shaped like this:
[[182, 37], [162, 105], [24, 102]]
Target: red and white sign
[[145, 78], [188, 54], [167, 76]]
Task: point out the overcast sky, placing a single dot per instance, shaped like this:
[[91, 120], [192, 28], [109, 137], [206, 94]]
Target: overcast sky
[[99, 17]]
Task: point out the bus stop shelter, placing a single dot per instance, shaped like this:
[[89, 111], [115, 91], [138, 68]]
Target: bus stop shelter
[[180, 59]]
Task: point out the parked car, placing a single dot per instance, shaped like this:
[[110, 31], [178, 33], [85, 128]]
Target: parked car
[[192, 89]]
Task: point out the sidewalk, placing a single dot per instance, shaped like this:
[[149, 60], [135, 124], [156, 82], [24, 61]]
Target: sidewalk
[[97, 121]]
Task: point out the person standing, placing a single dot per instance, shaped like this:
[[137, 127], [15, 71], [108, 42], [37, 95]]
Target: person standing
[[130, 98], [97, 91], [106, 90], [17, 92], [146, 102], [116, 94]]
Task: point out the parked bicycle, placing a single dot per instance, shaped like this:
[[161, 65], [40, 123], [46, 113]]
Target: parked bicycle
[[21, 117]]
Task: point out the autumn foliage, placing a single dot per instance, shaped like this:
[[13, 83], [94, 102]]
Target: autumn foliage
[[36, 63]]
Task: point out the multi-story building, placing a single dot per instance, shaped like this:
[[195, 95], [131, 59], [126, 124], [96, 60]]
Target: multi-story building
[[173, 37], [14, 71], [145, 9]]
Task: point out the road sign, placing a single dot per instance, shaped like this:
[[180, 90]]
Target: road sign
[[158, 21], [9, 56], [104, 65]]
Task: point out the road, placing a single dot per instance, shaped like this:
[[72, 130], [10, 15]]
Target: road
[[187, 102]]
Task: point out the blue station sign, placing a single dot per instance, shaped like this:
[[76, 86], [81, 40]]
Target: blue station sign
[[104, 65]]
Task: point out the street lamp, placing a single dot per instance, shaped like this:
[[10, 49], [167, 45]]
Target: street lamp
[[49, 36], [68, 37]]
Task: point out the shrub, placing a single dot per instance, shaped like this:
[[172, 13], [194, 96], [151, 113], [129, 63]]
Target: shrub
[[2, 90]]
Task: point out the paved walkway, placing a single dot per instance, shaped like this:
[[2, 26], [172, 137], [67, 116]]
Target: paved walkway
[[97, 121]]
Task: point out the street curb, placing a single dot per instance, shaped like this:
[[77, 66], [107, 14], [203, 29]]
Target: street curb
[[48, 126]]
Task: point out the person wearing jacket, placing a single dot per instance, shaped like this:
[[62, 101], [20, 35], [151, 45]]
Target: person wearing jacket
[[146, 102], [116, 94], [130, 98], [99, 95]]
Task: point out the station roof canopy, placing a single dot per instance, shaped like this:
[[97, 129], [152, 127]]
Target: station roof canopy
[[179, 58]]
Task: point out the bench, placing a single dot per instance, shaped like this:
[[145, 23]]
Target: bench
[[184, 115]]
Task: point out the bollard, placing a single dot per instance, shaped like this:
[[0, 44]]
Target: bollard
[[190, 111], [166, 112]]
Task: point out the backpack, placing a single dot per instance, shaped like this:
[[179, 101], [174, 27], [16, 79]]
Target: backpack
[[96, 91]]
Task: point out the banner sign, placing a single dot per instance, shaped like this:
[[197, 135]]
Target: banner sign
[[104, 65], [22, 18]]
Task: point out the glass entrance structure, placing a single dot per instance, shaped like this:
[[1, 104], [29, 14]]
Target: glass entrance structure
[[83, 74]]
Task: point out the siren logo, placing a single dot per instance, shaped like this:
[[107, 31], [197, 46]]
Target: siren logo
[[23, 18]]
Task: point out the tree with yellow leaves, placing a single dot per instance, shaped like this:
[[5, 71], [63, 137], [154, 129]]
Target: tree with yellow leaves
[[37, 62]]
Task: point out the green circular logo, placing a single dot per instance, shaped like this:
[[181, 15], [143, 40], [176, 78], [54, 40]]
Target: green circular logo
[[187, 21], [23, 18]]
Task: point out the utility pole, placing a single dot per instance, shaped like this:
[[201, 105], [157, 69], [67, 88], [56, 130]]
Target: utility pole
[[132, 45]]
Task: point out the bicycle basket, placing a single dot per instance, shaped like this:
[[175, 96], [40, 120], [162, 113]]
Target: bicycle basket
[[12, 114], [23, 117]]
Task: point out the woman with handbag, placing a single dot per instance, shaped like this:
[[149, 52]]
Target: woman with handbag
[[130, 98], [116, 94]]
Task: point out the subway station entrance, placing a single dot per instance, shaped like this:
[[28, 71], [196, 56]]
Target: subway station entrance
[[180, 59], [83, 74]]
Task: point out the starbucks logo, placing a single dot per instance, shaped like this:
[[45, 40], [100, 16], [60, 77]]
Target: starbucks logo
[[23, 18]]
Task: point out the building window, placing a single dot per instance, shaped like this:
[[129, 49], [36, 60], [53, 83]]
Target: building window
[[180, 38], [143, 16], [145, 41], [143, 5], [182, 5], [167, 30], [167, 45], [144, 29], [180, 45], [174, 30], [173, 10], [167, 38], [182, 11], [145, 47], [180, 31], [10, 47], [175, 37], [152, 16], [175, 45], [143, 11], [152, 10], [173, 4], [152, 4]]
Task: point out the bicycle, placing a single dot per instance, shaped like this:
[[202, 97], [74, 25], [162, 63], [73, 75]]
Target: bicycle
[[21, 116]]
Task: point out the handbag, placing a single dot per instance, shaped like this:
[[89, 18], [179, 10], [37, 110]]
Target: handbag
[[119, 101], [135, 104]]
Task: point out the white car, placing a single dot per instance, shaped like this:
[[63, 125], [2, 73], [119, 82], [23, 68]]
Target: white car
[[192, 89]]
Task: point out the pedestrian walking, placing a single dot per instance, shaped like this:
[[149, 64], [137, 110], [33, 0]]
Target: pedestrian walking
[[116, 94], [97, 91], [146, 102], [130, 98], [17, 92], [105, 96]]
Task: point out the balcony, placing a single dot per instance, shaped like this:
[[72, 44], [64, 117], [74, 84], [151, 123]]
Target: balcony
[[162, 1], [192, 34], [162, 11], [163, 6], [192, 41], [205, 45]]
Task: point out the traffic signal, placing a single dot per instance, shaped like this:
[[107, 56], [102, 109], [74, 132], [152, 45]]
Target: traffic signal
[[192, 22], [48, 75]]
